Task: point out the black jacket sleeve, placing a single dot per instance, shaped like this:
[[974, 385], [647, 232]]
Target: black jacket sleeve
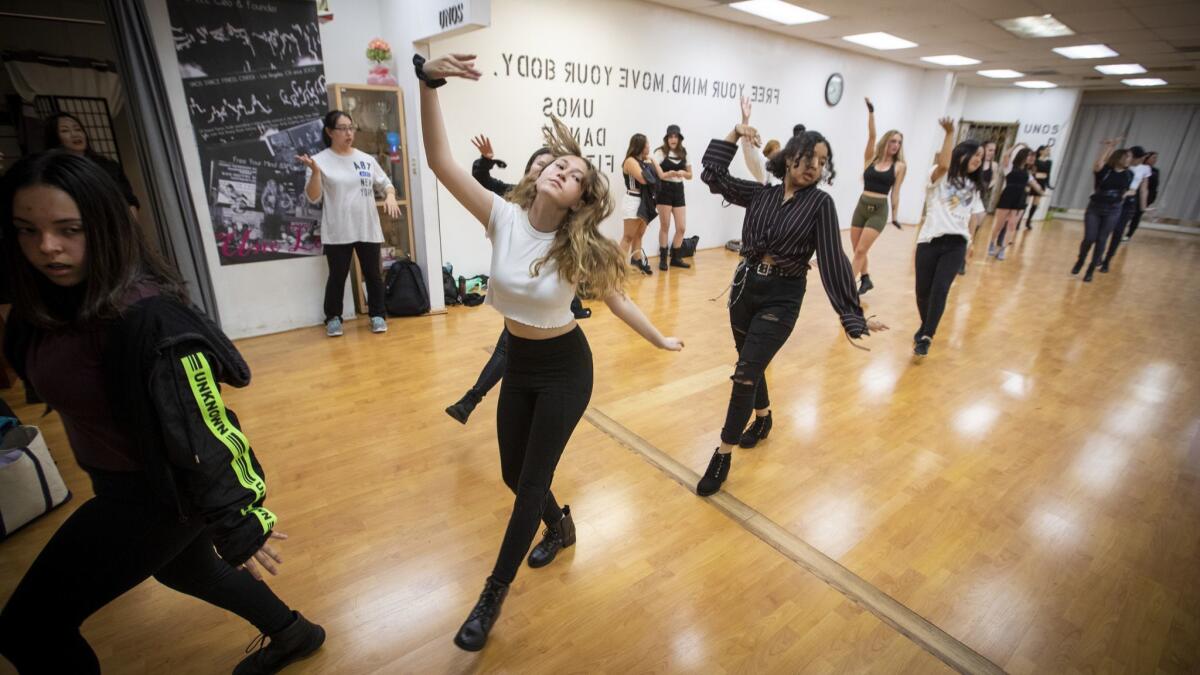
[[481, 171], [212, 459]]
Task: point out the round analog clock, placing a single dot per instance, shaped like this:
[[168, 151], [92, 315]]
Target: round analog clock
[[835, 86]]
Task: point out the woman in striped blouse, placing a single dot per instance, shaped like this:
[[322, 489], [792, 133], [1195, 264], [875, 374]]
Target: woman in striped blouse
[[784, 225]]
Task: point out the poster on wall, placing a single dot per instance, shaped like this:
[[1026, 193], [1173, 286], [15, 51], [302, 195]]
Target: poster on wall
[[254, 82]]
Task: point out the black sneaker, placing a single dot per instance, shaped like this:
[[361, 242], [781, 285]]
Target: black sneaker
[[473, 634], [921, 345], [556, 537], [715, 474], [1077, 266], [866, 285], [300, 639], [757, 431], [1104, 267], [461, 411]]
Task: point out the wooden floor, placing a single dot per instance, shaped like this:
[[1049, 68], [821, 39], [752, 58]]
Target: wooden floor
[[1032, 488]]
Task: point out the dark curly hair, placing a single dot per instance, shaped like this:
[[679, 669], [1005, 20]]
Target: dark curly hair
[[801, 146]]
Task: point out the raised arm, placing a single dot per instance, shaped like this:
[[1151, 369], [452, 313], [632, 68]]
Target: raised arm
[[754, 160], [476, 198], [715, 173], [627, 310], [869, 153], [1106, 149], [943, 156]]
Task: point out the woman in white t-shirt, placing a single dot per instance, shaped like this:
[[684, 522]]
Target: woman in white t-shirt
[[346, 179], [545, 241], [953, 202]]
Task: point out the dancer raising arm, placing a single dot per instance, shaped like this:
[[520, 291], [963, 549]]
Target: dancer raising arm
[[883, 174], [545, 241]]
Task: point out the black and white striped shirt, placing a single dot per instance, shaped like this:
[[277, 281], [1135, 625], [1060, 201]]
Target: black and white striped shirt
[[790, 232]]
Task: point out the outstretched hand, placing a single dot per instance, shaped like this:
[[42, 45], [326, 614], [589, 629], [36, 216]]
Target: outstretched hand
[[947, 124], [308, 162], [747, 131], [870, 106], [484, 145], [266, 556], [671, 344], [452, 65], [745, 110], [876, 325]]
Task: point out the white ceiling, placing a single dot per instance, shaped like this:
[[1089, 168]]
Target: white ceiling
[[1162, 35]]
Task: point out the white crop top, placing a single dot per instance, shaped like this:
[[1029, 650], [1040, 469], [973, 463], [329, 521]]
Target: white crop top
[[543, 301]]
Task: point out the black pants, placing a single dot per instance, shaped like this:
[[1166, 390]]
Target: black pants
[[1129, 210], [1100, 222], [938, 262], [113, 542], [338, 256], [1135, 220], [762, 314], [493, 370], [547, 386]]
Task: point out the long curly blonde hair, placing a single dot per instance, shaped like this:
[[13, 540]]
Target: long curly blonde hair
[[582, 255]]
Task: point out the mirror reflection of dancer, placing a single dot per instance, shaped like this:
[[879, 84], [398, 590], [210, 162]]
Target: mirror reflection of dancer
[[545, 240], [493, 370], [1018, 183], [1041, 173], [643, 176], [953, 204], [1102, 219], [987, 178], [672, 158], [784, 225], [883, 174]]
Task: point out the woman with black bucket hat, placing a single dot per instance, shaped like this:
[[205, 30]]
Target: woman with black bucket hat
[[672, 157]]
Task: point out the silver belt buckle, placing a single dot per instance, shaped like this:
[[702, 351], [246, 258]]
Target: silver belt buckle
[[763, 269]]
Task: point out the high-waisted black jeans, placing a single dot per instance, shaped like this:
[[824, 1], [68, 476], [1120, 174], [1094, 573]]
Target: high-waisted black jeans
[[762, 314], [113, 542], [938, 262], [1100, 222], [546, 389]]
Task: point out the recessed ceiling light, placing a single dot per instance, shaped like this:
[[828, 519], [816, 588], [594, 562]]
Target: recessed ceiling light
[[1001, 74], [779, 11], [1085, 52], [951, 60], [1121, 69], [1145, 82], [1036, 84], [1043, 26], [880, 41]]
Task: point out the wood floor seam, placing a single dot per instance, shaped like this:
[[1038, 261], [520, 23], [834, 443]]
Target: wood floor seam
[[887, 609]]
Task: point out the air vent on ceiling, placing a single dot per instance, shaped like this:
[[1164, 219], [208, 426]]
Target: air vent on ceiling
[[1041, 73]]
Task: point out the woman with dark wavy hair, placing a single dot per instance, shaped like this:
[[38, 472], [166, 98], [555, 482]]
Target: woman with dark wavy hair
[[102, 329], [785, 225]]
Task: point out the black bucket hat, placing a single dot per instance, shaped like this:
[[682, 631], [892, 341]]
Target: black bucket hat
[[673, 129]]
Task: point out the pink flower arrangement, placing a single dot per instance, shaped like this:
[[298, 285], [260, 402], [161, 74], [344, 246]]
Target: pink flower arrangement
[[378, 50]]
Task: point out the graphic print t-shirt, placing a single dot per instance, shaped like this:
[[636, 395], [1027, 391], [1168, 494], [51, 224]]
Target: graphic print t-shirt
[[348, 184]]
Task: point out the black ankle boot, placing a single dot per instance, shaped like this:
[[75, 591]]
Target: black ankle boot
[[1104, 267], [1077, 266], [662, 258], [462, 410], [301, 638], [715, 474], [474, 632], [865, 284], [677, 259], [554, 539], [757, 431], [1088, 277]]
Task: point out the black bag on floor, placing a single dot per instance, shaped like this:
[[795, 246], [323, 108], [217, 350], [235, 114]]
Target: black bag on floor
[[450, 287], [404, 290], [687, 249]]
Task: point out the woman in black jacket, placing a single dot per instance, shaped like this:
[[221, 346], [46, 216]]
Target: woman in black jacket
[[101, 327], [64, 130]]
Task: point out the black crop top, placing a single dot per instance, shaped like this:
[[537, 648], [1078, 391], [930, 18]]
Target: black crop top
[[1042, 166], [1111, 185], [879, 181], [1017, 177], [987, 174]]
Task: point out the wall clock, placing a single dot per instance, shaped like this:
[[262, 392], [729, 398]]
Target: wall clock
[[835, 86]]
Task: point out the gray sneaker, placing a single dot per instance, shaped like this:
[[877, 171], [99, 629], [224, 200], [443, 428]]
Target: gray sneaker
[[333, 327], [378, 324]]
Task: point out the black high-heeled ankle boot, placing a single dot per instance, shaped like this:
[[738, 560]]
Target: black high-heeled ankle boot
[[556, 537], [1077, 266], [473, 634], [757, 431], [677, 259], [1088, 277], [715, 474], [662, 258], [461, 411]]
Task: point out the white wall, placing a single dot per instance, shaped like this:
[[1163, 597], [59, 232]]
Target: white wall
[[269, 297], [622, 34], [1044, 116]]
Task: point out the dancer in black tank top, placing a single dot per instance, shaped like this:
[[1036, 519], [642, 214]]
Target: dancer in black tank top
[[883, 174]]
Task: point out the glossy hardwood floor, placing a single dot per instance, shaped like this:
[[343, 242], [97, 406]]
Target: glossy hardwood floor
[[1031, 487]]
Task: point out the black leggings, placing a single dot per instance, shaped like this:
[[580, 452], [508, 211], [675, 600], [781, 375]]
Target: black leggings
[[547, 386], [1100, 221], [938, 262], [113, 542], [1129, 211], [762, 314], [338, 256]]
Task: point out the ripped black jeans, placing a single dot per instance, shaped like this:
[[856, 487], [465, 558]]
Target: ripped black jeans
[[762, 313]]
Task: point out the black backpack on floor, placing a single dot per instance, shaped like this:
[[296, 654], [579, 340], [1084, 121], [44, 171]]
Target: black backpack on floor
[[687, 249], [404, 290]]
